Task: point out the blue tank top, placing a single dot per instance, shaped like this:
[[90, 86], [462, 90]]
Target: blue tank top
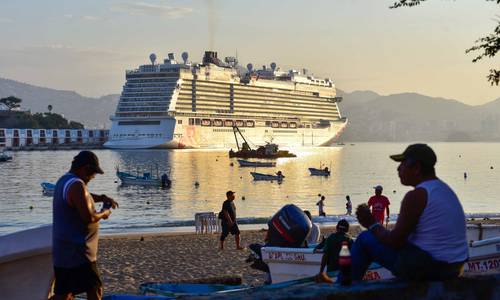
[[74, 243]]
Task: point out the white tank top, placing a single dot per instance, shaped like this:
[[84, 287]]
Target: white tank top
[[441, 229]]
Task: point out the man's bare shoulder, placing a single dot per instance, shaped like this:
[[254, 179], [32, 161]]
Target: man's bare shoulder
[[77, 187], [415, 197]]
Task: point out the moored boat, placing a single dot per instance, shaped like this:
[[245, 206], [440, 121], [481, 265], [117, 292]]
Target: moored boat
[[268, 177], [146, 179], [4, 157], [319, 172], [48, 188], [247, 163]]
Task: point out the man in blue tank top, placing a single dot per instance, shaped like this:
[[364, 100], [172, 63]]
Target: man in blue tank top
[[428, 241], [76, 230]]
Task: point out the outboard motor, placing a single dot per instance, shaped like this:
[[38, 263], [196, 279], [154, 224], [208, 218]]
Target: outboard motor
[[289, 227]]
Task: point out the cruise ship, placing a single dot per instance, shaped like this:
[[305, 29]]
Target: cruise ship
[[178, 104]]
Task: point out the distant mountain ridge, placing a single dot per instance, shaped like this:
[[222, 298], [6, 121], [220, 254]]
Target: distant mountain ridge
[[92, 112], [372, 117]]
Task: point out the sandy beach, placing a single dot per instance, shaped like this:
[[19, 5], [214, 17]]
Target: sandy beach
[[125, 261]]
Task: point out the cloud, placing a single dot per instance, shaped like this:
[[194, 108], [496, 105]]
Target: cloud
[[148, 9], [68, 16], [5, 20], [91, 18]]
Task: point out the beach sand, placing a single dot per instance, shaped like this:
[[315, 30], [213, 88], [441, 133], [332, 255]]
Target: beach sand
[[125, 261]]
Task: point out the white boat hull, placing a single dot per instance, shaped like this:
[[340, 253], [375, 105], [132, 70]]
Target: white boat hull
[[26, 270], [170, 134], [294, 263]]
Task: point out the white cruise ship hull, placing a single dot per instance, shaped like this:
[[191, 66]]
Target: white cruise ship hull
[[172, 135]]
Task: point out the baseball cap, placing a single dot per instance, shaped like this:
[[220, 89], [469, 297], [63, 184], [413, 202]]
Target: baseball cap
[[418, 152], [378, 187], [87, 158], [229, 193], [343, 225]]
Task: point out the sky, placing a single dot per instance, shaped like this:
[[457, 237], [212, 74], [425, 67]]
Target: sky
[[86, 46]]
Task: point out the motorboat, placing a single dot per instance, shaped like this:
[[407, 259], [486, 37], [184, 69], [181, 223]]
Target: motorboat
[[269, 151], [319, 172], [294, 263], [256, 164], [268, 177], [48, 188], [145, 179], [26, 270], [4, 157]]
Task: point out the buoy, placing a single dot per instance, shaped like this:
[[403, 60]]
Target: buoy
[[394, 191], [116, 181], [243, 198], [465, 175], [142, 239], [231, 164], [147, 202], [491, 167], [196, 184], [216, 159], [31, 207]]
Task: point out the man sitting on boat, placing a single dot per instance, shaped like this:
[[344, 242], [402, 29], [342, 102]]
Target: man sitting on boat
[[428, 241], [332, 247]]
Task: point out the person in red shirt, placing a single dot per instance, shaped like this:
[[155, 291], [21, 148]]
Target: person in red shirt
[[379, 203]]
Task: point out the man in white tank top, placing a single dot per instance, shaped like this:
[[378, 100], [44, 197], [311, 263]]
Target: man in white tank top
[[428, 241]]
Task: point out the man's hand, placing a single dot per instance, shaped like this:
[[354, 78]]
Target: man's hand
[[106, 213], [364, 216], [106, 199]]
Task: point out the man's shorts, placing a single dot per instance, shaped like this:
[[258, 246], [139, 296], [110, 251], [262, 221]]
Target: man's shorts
[[226, 230], [77, 280]]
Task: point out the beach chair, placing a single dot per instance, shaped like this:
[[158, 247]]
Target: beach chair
[[206, 222]]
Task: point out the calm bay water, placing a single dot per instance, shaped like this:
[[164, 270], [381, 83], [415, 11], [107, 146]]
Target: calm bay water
[[356, 168]]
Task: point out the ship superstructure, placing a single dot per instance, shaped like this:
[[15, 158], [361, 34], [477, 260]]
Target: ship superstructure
[[181, 104]]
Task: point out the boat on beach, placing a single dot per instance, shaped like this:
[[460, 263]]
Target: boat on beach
[[267, 177], [48, 188], [295, 263], [319, 172], [256, 164], [26, 269]]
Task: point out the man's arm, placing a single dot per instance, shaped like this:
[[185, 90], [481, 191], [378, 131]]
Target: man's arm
[[227, 217], [80, 198], [412, 207], [324, 260]]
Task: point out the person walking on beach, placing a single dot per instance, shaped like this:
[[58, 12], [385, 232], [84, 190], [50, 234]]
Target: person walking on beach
[[379, 203], [348, 205], [75, 230], [229, 224], [321, 205], [428, 241]]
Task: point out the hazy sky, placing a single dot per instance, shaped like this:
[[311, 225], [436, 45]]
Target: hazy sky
[[86, 46]]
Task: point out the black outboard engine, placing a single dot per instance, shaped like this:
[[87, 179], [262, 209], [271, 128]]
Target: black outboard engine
[[289, 227]]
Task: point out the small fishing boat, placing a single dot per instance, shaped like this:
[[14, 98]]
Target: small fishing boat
[[256, 164], [48, 188], [294, 263], [4, 157], [268, 177], [319, 172], [146, 179]]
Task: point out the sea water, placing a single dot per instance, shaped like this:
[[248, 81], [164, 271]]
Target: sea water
[[200, 179]]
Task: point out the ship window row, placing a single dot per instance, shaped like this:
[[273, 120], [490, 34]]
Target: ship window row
[[140, 94], [133, 123], [141, 115], [154, 89], [280, 96], [144, 101], [150, 85], [139, 109], [123, 135], [274, 105], [203, 100], [145, 104], [143, 98], [291, 103], [156, 80], [151, 75]]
